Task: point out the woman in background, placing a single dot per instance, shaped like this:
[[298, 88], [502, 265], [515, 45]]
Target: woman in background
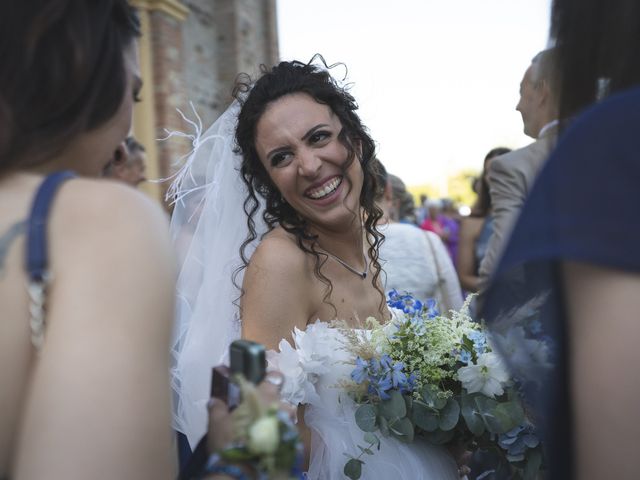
[[476, 229]]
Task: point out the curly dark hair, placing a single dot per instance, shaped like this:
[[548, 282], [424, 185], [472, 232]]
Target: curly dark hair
[[63, 73], [314, 80]]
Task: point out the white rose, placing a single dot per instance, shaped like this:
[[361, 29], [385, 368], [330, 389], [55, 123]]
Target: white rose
[[264, 436]]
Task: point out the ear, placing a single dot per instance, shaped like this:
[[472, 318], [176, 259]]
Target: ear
[[544, 93]]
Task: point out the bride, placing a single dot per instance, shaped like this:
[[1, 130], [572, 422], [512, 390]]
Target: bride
[[311, 253]]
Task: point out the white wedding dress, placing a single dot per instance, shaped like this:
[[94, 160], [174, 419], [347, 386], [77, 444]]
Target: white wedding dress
[[313, 372]]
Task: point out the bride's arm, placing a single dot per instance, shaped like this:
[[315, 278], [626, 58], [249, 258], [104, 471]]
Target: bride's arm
[[277, 292]]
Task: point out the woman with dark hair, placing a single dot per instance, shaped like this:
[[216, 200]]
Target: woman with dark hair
[[476, 229], [83, 358], [308, 170], [564, 301]]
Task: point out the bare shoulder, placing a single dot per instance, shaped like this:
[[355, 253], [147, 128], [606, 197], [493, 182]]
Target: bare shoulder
[[278, 253], [278, 290]]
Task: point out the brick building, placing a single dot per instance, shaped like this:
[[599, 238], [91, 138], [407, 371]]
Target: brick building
[[191, 52]]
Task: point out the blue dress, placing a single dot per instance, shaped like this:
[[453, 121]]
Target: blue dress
[[583, 207]]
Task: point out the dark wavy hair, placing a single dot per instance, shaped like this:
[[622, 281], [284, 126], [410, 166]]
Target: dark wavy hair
[[63, 73], [314, 80]]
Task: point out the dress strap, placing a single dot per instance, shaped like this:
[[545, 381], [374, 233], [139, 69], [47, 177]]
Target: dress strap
[[37, 260]]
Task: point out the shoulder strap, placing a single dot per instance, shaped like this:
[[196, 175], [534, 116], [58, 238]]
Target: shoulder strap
[[37, 259]]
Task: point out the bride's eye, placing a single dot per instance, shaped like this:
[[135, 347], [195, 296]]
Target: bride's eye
[[319, 136], [280, 159]]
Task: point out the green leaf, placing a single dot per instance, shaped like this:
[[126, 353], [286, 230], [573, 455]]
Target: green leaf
[[393, 408], [509, 415], [403, 430], [432, 397], [471, 415], [449, 415], [353, 468], [372, 439], [439, 437], [424, 417], [487, 410], [408, 400], [534, 462], [384, 426], [366, 418]]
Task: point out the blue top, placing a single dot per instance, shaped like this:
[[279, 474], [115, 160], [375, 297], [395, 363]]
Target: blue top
[[583, 207]]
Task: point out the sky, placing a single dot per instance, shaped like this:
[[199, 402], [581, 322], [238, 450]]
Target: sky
[[436, 80]]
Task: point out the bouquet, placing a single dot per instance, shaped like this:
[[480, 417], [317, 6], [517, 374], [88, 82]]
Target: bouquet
[[264, 437], [435, 376]]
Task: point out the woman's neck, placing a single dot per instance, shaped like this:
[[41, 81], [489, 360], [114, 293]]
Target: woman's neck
[[348, 245]]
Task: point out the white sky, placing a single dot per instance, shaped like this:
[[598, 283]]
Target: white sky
[[436, 80]]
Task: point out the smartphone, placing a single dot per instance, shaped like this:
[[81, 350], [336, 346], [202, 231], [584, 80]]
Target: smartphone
[[245, 357]]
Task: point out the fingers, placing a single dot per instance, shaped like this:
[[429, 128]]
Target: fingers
[[271, 386]]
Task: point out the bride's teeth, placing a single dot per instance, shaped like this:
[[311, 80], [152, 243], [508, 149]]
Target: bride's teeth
[[326, 190]]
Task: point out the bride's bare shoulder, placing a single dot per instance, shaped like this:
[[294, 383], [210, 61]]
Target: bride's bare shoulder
[[279, 252]]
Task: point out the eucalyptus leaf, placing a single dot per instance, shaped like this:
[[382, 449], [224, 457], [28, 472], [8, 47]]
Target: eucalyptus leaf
[[431, 396], [403, 430], [471, 415], [372, 439], [366, 418], [487, 410], [449, 415], [393, 408], [408, 400], [533, 464], [424, 417], [510, 415], [353, 469], [384, 426], [439, 437]]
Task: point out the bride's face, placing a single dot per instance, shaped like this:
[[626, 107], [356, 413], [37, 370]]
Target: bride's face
[[297, 142]]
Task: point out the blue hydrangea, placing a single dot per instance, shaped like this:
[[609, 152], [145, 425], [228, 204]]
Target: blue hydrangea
[[464, 356], [517, 441], [479, 340]]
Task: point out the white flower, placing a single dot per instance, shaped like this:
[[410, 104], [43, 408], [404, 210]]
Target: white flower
[[264, 436], [487, 376], [302, 366]]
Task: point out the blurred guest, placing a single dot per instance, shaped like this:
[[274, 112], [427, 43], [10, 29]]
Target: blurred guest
[[403, 203], [450, 219], [129, 163], [413, 260], [511, 175], [476, 229], [564, 301], [421, 211]]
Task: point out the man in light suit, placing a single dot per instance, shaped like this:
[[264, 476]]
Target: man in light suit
[[511, 175]]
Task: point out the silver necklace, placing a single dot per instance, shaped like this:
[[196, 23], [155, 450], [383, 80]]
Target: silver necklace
[[362, 275]]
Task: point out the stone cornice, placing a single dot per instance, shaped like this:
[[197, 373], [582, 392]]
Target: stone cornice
[[173, 8]]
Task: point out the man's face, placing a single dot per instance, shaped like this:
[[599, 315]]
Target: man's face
[[529, 104]]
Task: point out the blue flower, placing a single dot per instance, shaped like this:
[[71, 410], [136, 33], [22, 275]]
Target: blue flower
[[517, 441], [464, 356], [432, 308], [398, 377], [406, 303], [379, 386], [360, 373], [479, 341], [385, 363]]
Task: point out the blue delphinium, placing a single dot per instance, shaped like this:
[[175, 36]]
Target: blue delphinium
[[406, 303], [383, 375], [432, 308]]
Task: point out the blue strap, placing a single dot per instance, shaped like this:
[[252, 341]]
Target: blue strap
[[37, 257]]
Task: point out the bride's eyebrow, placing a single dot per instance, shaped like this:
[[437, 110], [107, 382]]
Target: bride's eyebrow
[[313, 130]]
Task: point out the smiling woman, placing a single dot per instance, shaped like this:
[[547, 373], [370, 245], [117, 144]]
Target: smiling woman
[[309, 171]]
